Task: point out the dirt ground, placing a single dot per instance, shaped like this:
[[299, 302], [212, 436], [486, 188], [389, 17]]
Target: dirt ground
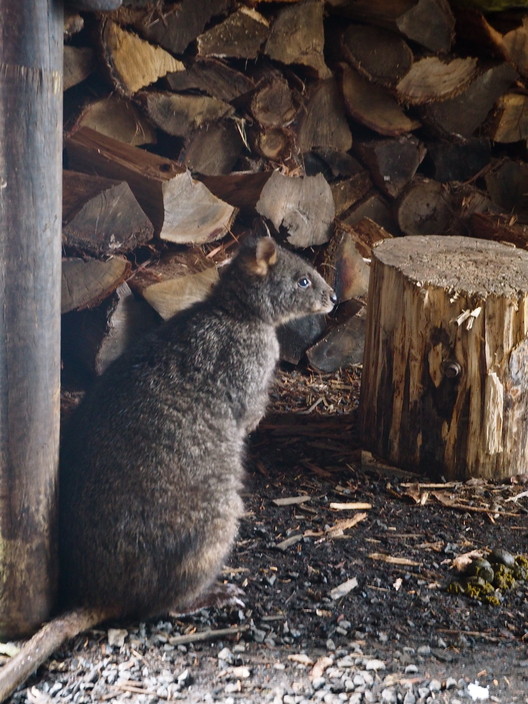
[[321, 515]]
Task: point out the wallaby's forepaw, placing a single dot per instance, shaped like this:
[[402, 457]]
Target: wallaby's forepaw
[[219, 596]]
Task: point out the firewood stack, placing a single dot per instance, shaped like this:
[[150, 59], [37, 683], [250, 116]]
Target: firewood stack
[[340, 122]]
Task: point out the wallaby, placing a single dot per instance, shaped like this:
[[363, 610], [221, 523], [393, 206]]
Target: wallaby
[[151, 460]]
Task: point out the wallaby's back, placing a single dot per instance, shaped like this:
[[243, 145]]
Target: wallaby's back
[[151, 466]]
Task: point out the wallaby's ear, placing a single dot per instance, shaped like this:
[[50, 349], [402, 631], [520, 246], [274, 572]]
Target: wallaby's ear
[[264, 256]]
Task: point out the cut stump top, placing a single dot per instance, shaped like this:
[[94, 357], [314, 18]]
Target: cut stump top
[[464, 264]]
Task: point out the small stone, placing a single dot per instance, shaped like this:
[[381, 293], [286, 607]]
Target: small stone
[[375, 665], [409, 698], [116, 637], [411, 669], [435, 686], [226, 656], [318, 683], [450, 683], [424, 650], [389, 696]]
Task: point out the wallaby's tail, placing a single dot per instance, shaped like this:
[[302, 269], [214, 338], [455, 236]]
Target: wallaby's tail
[[44, 643]]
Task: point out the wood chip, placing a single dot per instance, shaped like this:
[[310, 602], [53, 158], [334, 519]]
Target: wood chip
[[391, 560], [292, 500], [343, 589]]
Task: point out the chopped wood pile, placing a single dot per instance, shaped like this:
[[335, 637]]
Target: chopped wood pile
[[340, 123]]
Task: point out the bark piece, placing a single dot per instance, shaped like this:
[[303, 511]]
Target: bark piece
[[333, 132], [431, 79], [392, 162], [87, 282], [425, 208], [297, 37], [239, 36], [172, 26], [180, 208], [342, 345], [373, 105], [446, 357], [101, 216], [94, 338], [213, 149], [500, 228], [179, 115], [510, 121], [462, 115], [79, 63], [379, 55], [132, 62], [304, 207], [116, 117], [214, 77], [427, 22]]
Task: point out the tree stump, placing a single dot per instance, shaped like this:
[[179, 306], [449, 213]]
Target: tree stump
[[446, 357]]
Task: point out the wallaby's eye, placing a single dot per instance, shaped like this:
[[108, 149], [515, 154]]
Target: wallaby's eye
[[304, 282]]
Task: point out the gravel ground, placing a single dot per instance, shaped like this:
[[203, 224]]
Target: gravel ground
[[344, 566]]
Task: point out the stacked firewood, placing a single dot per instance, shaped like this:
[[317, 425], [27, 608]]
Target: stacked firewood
[[340, 123]]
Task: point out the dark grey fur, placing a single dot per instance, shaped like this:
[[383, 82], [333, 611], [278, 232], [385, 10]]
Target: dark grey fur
[[151, 466]]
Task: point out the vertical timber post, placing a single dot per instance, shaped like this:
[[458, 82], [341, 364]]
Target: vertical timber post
[[30, 258]]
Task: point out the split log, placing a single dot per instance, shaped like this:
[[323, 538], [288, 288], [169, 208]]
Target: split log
[[392, 163], [87, 282], [241, 189], [379, 55], [118, 118], [427, 22], [92, 339], [446, 357], [346, 259], [431, 79], [297, 37], [349, 191], [296, 336], [342, 345], [425, 208], [304, 207], [507, 185], [214, 149], [213, 77], [454, 161], [101, 216], [515, 44], [172, 26], [79, 63], [333, 132], [461, 115], [239, 36], [176, 281], [181, 209], [133, 63], [272, 103], [510, 121], [374, 207], [179, 115], [373, 105], [274, 143]]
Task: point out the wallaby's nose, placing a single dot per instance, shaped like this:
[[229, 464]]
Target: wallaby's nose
[[333, 297]]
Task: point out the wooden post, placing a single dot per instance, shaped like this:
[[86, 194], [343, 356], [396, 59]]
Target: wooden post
[[446, 357], [30, 257]]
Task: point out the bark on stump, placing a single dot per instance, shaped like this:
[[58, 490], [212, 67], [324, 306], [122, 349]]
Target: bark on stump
[[446, 357]]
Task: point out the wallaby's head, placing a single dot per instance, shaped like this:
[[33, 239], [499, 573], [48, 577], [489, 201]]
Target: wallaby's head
[[278, 285]]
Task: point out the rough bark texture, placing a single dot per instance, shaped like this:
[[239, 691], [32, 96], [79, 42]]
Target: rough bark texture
[[446, 357], [30, 248]]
